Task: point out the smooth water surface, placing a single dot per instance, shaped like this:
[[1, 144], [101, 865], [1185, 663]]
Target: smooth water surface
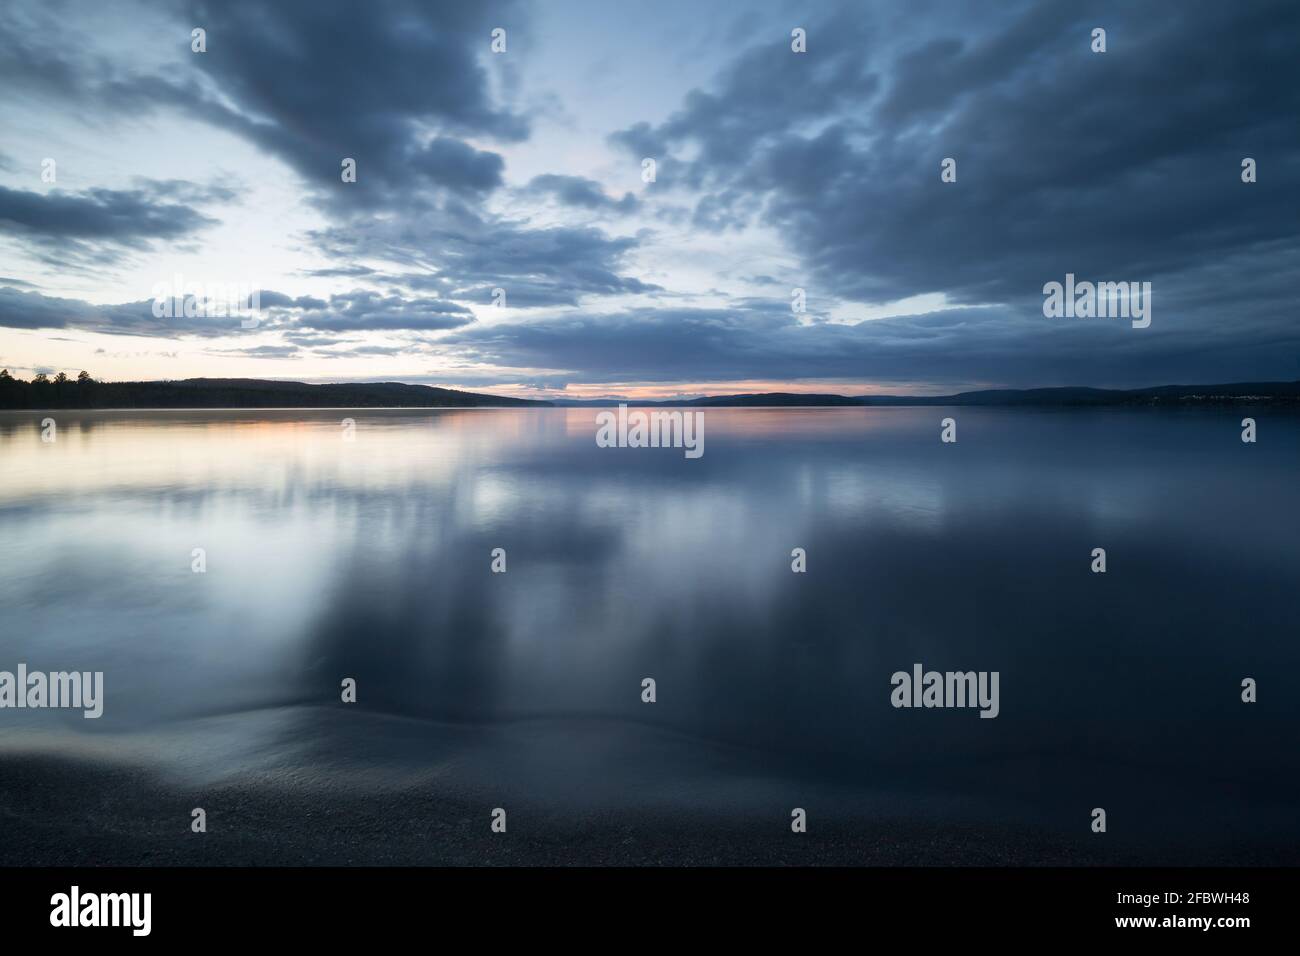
[[370, 559]]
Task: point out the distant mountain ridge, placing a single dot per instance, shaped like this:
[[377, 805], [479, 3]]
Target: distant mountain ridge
[[261, 393]]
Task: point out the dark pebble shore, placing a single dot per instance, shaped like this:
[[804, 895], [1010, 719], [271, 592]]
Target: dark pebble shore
[[73, 812]]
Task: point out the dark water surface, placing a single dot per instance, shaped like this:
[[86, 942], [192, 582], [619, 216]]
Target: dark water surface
[[371, 559]]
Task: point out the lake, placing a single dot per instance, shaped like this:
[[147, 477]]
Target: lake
[[325, 558]]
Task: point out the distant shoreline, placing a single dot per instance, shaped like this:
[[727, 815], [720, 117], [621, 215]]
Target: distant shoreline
[[247, 394]]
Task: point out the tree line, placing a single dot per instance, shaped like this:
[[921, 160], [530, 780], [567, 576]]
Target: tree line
[[83, 378], [61, 391]]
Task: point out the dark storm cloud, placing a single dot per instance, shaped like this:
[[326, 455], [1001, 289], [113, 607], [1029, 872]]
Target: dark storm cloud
[[28, 60], [580, 192], [96, 224], [369, 311], [31, 310], [1123, 165], [457, 166], [394, 87], [554, 266], [641, 140], [268, 299], [356, 311], [41, 60], [557, 266], [315, 81]]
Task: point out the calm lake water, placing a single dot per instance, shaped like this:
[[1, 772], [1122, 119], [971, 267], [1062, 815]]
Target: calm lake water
[[370, 559]]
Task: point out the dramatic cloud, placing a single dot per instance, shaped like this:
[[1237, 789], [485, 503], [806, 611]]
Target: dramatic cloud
[[355, 311], [1123, 165], [514, 179], [99, 223], [32, 310], [359, 311], [580, 192], [450, 163], [556, 266], [315, 81]]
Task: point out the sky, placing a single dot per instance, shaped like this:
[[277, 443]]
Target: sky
[[502, 232]]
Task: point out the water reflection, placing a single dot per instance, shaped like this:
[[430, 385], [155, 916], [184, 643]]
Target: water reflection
[[370, 559]]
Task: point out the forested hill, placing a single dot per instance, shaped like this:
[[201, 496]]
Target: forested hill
[[1287, 393], [238, 393]]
